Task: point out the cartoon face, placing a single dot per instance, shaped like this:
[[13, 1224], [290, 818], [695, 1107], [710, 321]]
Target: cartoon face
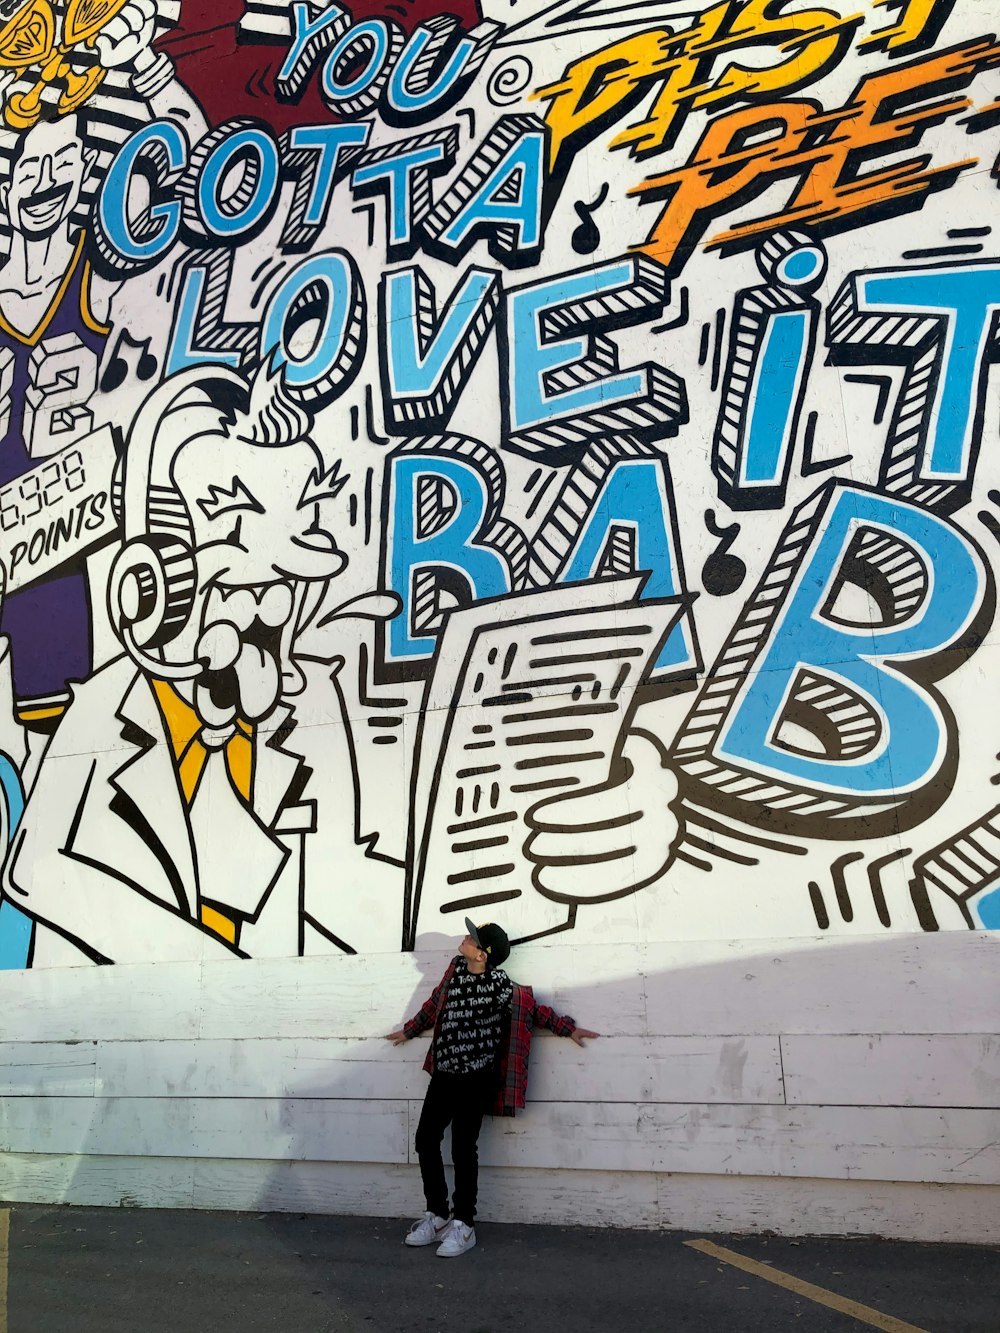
[[47, 177], [262, 551]]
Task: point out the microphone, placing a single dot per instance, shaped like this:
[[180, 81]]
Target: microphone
[[163, 670]]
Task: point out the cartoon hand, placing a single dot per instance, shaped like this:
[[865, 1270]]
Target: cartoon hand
[[127, 39], [603, 843]]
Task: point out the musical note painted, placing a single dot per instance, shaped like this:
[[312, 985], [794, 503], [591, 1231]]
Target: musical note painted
[[722, 573], [586, 238], [117, 369]]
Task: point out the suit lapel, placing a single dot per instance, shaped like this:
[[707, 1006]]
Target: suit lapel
[[280, 773], [148, 797]]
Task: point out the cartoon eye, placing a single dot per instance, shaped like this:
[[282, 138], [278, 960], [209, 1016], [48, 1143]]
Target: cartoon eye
[[222, 501]]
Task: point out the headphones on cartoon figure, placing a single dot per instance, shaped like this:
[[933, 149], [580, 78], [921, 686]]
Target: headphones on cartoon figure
[[153, 579]]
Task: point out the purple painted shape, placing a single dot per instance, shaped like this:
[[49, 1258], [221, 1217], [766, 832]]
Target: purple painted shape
[[49, 627], [49, 622]]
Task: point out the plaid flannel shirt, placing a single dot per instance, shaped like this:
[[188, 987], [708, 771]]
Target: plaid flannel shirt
[[525, 1015]]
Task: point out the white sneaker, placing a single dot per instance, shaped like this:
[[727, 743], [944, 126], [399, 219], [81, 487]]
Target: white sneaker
[[427, 1230], [458, 1239]]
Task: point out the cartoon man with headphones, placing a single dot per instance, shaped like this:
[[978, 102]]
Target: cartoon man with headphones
[[202, 795], [172, 809]]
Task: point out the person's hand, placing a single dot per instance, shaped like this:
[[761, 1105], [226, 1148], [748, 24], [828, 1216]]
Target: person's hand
[[397, 1038], [129, 35], [608, 841], [579, 1035]]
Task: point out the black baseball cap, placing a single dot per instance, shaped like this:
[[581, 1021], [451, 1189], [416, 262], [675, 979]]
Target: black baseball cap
[[493, 941]]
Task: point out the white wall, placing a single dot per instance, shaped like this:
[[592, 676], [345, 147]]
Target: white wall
[[831, 1086]]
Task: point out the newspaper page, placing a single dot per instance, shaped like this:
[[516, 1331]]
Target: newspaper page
[[528, 701]]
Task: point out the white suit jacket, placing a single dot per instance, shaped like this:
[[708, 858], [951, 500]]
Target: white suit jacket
[[104, 855]]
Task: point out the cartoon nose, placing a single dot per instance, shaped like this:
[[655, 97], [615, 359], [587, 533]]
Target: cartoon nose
[[317, 559], [317, 540], [46, 177], [320, 556]]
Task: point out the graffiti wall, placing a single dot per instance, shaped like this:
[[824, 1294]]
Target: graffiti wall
[[537, 462]]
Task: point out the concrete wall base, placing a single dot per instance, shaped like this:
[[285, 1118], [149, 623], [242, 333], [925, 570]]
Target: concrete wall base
[[960, 1214]]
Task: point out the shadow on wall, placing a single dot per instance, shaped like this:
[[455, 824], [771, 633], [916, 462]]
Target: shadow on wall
[[857, 1063]]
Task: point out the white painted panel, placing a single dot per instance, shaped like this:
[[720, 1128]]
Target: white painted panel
[[103, 1182], [892, 1070], [873, 1143], [908, 1143], [594, 1198], [83, 1003], [335, 996], [94, 1126], [206, 1127], [949, 982], [294, 1067], [49, 1069], [894, 1210], [656, 1069], [367, 996], [323, 1131], [965, 1214], [625, 1069], [898, 1210], [366, 1189]]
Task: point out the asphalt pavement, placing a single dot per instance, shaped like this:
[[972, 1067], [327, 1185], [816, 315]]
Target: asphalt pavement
[[91, 1270]]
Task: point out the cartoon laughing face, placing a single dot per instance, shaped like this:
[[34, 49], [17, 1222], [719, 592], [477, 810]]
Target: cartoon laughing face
[[256, 492], [47, 178]]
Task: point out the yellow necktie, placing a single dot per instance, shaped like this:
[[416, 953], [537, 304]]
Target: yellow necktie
[[190, 755]]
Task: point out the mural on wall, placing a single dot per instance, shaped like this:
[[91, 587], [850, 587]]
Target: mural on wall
[[539, 459]]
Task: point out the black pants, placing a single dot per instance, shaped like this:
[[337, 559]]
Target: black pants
[[459, 1100]]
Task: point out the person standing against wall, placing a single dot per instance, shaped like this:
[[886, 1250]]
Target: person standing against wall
[[478, 1063]]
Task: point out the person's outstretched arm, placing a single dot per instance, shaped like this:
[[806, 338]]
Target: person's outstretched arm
[[544, 1016], [425, 1015]]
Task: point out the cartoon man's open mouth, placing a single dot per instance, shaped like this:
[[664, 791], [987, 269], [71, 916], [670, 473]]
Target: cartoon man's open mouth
[[240, 645], [46, 206]]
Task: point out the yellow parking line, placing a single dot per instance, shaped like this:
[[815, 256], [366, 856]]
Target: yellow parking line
[[4, 1241], [808, 1289]]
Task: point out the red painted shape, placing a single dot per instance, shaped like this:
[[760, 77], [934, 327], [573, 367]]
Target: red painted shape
[[231, 79]]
